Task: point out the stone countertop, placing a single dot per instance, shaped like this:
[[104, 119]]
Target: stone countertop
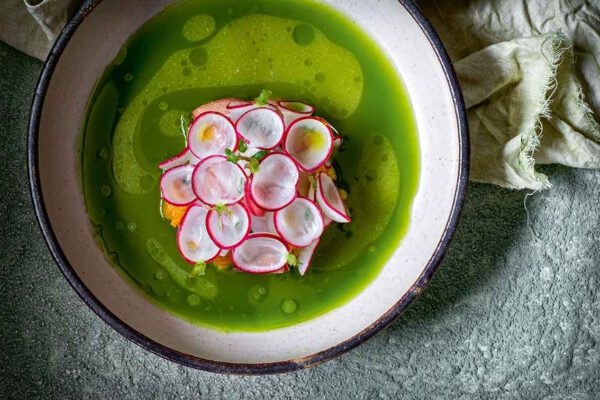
[[514, 311]]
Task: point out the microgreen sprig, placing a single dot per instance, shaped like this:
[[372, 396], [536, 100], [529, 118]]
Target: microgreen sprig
[[253, 161], [199, 269], [292, 260], [264, 97]]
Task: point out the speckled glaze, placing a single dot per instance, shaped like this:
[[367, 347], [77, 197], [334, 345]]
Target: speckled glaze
[[87, 45]]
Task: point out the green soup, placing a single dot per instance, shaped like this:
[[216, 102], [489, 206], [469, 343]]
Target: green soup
[[198, 51]]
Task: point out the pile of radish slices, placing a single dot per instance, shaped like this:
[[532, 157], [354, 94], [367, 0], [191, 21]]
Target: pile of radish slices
[[258, 185]]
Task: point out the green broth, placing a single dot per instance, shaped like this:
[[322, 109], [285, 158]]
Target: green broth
[[198, 51]]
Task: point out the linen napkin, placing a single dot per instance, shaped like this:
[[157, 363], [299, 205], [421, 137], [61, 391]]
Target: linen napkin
[[32, 25], [530, 75], [529, 71]]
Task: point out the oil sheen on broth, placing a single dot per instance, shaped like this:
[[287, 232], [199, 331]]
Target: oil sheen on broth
[[198, 51]]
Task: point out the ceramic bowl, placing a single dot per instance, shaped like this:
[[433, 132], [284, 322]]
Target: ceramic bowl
[[90, 42]]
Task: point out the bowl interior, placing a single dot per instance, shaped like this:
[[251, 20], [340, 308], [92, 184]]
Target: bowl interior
[[94, 44]]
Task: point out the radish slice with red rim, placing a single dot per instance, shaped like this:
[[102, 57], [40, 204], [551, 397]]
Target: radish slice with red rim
[[261, 127], [297, 107], [264, 224], [235, 113], [224, 252], [273, 186], [176, 185], [250, 151], [282, 270], [305, 256], [193, 241], [211, 133], [293, 110], [230, 227], [260, 253], [309, 141], [337, 143], [311, 195], [234, 105], [329, 199], [300, 223], [252, 206], [182, 158], [334, 131], [218, 181]]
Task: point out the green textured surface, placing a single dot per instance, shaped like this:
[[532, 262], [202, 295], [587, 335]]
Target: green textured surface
[[512, 313]]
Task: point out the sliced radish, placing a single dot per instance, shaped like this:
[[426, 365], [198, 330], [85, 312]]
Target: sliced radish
[[273, 186], [336, 133], [260, 253], [211, 133], [224, 252], [337, 142], [300, 223], [228, 228], [261, 127], [312, 194], [329, 199], [182, 158], [305, 256], [193, 241], [250, 151], [234, 105], [297, 107], [293, 110], [218, 181], [236, 112], [264, 224], [310, 142], [282, 270], [252, 206], [333, 129], [176, 185]]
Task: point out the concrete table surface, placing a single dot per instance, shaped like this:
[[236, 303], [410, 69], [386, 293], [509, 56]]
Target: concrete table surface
[[514, 311]]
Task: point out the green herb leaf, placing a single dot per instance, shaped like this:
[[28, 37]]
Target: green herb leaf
[[313, 182], [242, 146], [264, 97], [260, 155], [222, 208], [253, 165], [292, 260], [231, 156], [199, 269]]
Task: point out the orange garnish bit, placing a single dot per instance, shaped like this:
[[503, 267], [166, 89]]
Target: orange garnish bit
[[174, 213], [223, 262], [329, 171]]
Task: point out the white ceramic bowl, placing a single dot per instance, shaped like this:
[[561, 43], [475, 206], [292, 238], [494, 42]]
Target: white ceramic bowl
[[92, 39]]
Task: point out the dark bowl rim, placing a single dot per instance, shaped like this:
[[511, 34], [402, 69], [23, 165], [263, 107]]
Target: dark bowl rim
[[226, 367]]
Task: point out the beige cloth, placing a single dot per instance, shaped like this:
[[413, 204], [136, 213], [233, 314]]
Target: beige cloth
[[530, 74], [32, 25]]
